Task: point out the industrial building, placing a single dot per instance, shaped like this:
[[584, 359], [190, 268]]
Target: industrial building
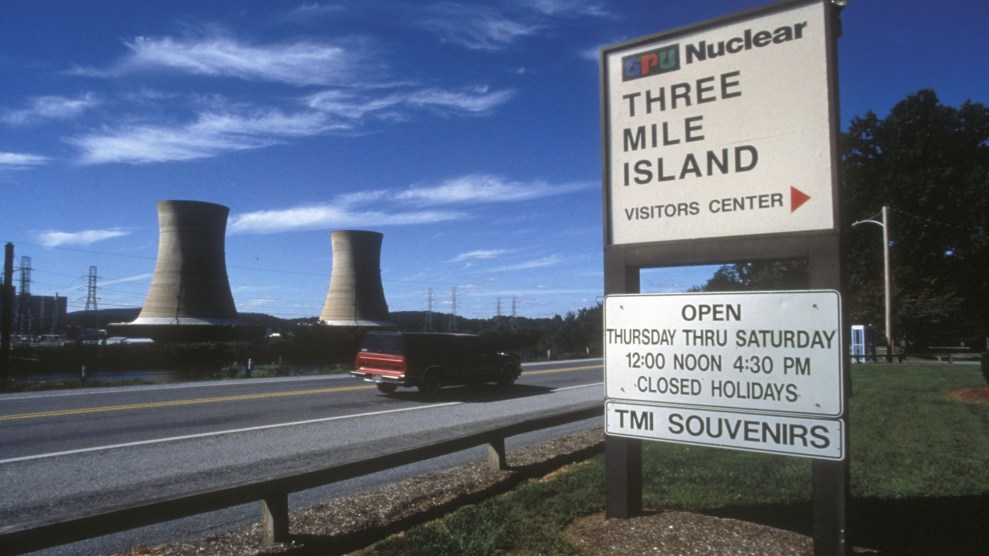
[[34, 315]]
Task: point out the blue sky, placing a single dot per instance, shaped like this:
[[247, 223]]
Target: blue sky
[[467, 133]]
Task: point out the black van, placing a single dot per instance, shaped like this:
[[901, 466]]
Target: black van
[[429, 361]]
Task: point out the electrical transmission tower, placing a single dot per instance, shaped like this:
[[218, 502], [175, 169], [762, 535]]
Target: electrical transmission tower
[[91, 306], [453, 316], [498, 308], [429, 310], [24, 303], [25, 275]]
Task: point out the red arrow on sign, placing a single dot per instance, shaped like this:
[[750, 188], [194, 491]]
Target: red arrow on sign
[[797, 198]]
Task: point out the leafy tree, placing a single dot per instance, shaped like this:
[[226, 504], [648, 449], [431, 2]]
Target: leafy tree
[[758, 275], [930, 164], [576, 334]]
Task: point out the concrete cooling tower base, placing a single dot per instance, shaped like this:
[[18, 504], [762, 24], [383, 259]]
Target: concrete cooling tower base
[[361, 323]]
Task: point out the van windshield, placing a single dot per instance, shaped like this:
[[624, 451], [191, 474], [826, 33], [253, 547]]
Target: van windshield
[[383, 343]]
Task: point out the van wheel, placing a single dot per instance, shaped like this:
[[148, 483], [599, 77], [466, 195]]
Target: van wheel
[[386, 388], [429, 385], [507, 378]]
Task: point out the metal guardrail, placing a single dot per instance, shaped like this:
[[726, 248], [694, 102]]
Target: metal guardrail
[[273, 491]]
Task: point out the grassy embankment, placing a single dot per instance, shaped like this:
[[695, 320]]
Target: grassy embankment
[[920, 480]]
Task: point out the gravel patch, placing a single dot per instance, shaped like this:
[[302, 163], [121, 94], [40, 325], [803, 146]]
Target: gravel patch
[[684, 533]]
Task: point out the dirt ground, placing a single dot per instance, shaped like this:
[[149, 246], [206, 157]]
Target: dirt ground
[[971, 395]]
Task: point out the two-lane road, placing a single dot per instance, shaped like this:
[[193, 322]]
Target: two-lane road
[[64, 452]]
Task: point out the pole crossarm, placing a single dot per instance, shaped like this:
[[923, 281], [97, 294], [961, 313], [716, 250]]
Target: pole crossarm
[[869, 221]]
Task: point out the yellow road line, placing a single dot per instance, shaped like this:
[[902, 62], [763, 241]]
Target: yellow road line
[[563, 370], [221, 399], [175, 403]]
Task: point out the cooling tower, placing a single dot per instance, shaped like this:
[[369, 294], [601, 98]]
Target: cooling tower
[[189, 298], [355, 297]]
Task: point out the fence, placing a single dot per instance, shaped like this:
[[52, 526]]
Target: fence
[[273, 491]]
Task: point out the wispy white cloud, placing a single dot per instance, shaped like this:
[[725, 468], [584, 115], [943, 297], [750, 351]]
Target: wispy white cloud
[[299, 63], [349, 100], [591, 54], [21, 161], [222, 126], [315, 217], [485, 188], [498, 27], [478, 27], [127, 279], [475, 100], [480, 255], [53, 238], [211, 134], [352, 105], [552, 260], [391, 208], [569, 8], [308, 11], [145, 144], [50, 107]]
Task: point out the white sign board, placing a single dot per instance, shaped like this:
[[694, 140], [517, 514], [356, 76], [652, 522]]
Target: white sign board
[[764, 352], [721, 132], [778, 434]]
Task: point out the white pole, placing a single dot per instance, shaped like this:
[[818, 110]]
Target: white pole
[[889, 286], [887, 278]]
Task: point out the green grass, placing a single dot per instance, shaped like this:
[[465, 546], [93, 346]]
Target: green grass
[[908, 438], [909, 441]]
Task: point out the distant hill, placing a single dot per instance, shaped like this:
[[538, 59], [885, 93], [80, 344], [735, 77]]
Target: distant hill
[[407, 320], [90, 319]]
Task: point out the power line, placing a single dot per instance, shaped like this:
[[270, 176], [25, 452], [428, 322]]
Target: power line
[[932, 221]]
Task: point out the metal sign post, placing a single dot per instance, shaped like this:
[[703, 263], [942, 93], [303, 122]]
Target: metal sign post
[[719, 144]]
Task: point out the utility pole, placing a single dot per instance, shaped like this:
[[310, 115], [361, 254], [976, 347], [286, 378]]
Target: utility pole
[[429, 311], [453, 316], [887, 278], [55, 315], [6, 309]]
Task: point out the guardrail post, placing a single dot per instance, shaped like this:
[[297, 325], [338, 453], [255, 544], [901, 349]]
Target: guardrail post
[[496, 454], [274, 518]]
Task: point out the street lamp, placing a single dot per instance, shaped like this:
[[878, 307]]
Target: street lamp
[[888, 279]]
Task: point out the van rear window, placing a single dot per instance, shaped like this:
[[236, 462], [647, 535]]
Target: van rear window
[[383, 343]]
